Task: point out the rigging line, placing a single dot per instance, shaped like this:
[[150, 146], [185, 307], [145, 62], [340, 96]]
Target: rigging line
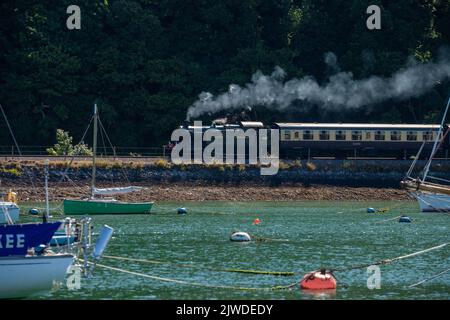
[[10, 130], [445, 200], [102, 128], [427, 167], [440, 144], [428, 164], [387, 261], [17, 146], [440, 179], [408, 174], [429, 279], [197, 284], [6, 214], [429, 204], [64, 174], [103, 143]]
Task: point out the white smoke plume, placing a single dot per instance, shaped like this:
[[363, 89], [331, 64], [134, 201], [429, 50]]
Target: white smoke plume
[[341, 90]]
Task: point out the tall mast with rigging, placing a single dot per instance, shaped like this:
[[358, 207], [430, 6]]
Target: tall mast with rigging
[[436, 141], [94, 149]]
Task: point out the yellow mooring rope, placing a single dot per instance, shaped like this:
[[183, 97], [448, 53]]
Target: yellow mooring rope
[[280, 287], [273, 273], [386, 220], [197, 284]]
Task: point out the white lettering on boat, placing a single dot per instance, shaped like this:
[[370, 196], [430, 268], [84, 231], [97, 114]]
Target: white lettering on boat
[[11, 241]]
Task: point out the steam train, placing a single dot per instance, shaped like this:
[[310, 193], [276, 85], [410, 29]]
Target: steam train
[[346, 140]]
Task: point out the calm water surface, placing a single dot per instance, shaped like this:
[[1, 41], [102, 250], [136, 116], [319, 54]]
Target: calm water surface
[[303, 236]]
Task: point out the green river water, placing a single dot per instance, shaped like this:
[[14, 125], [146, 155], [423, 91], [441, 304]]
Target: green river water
[[309, 235]]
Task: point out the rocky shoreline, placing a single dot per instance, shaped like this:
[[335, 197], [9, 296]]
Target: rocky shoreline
[[216, 192], [334, 180]]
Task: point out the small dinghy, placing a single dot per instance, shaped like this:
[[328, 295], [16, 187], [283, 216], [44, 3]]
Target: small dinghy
[[240, 237], [61, 239]]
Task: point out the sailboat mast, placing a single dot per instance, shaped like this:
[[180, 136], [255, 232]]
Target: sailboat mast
[[427, 167], [47, 206], [94, 149]]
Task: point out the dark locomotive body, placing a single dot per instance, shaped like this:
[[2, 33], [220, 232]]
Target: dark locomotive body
[[346, 140]]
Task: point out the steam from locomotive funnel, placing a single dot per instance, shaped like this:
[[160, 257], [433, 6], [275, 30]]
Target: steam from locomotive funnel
[[341, 90]]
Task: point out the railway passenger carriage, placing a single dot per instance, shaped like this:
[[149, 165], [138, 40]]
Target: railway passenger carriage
[[346, 140], [356, 140]]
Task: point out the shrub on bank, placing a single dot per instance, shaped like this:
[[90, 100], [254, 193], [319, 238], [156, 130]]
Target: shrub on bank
[[163, 164], [12, 171], [311, 166]]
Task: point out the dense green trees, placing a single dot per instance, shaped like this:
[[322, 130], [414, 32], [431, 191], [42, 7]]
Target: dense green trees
[[145, 61]]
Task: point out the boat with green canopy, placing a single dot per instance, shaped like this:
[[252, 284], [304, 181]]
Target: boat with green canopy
[[101, 200]]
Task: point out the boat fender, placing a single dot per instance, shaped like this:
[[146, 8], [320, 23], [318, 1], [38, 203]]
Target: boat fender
[[33, 211], [40, 249], [105, 236], [318, 280], [181, 210]]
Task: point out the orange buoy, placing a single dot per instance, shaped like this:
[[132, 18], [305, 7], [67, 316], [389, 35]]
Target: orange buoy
[[256, 221], [318, 280]]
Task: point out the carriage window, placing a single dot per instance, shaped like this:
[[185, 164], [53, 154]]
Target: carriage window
[[324, 135], [396, 135], [340, 135], [297, 135], [379, 135], [411, 136], [428, 135], [287, 135], [356, 135], [307, 135]]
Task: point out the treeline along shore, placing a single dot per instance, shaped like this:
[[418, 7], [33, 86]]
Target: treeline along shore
[[353, 180]]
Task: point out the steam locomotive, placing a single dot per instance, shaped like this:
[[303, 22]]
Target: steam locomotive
[[346, 140]]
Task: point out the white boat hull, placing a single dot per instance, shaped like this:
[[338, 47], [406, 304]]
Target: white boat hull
[[433, 202], [13, 211], [21, 277]]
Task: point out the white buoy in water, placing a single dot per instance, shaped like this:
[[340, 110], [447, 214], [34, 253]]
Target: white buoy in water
[[240, 236]]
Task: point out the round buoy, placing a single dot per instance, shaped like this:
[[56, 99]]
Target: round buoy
[[182, 211], [256, 221], [240, 236], [370, 210], [404, 219], [33, 211], [318, 280]]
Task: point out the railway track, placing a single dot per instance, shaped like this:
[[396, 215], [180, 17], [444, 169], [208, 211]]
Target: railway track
[[148, 159]]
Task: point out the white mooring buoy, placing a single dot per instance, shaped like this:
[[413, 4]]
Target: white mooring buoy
[[240, 236]]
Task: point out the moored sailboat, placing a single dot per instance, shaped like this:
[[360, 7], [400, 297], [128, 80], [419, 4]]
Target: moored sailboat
[[22, 272], [434, 195], [97, 203]]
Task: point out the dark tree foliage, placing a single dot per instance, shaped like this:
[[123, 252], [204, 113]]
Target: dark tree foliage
[[144, 62]]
